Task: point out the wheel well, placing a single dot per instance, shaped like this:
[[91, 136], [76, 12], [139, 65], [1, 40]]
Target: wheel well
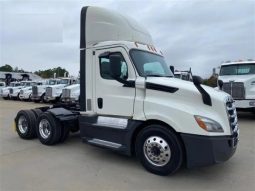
[[155, 122]]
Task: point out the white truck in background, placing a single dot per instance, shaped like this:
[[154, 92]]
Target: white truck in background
[[131, 103], [15, 91], [25, 93], [71, 94], [184, 75], [38, 92], [2, 85], [237, 78], [5, 92], [54, 92]]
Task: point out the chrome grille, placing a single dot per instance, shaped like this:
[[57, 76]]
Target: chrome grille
[[48, 92], [66, 93], [11, 91], [232, 115], [34, 91], [235, 89]]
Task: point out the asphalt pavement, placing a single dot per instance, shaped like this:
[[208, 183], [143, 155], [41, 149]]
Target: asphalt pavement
[[29, 165]]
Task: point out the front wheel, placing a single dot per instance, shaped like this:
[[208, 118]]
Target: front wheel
[[159, 150]]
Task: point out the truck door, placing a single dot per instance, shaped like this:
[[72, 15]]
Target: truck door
[[111, 97]]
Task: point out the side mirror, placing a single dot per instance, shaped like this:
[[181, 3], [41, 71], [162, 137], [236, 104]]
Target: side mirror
[[197, 80], [115, 65], [172, 69], [220, 82]]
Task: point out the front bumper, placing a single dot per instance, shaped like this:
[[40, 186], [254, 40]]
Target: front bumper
[[246, 103], [33, 97], [208, 150]]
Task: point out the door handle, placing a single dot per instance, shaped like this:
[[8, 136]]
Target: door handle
[[100, 102]]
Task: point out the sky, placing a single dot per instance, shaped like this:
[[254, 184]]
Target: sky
[[201, 34]]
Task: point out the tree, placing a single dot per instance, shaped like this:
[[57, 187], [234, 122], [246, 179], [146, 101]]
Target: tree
[[6, 68], [212, 81], [49, 73]]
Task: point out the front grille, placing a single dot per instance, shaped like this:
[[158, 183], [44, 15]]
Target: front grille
[[48, 92], [235, 89], [66, 93], [232, 115], [21, 92], [34, 90], [11, 91]]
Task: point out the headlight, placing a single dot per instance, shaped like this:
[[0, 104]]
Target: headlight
[[208, 124]]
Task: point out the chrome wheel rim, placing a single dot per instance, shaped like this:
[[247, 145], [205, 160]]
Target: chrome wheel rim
[[22, 124], [44, 128], [157, 151]]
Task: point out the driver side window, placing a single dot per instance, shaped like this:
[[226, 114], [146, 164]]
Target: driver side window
[[105, 69]]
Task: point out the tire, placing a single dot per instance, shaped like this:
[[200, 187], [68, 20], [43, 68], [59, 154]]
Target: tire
[[37, 112], [48, 129], [64, 134], [5, 98], [25, 123], [18, 98], [43, 98], [159, 150], [30, 98]]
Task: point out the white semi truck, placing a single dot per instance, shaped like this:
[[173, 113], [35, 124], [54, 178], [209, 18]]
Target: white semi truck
[[54, 92], [25, 93], [38, 92], [131, 103], [14, 92], [237, 78], [5, 92], [71, 94]]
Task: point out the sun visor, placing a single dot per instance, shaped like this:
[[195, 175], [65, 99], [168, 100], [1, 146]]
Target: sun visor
[[99, 25]]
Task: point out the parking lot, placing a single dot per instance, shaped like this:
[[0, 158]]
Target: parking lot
[[29, 165]]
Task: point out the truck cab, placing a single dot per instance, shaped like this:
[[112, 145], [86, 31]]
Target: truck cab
[[15, 91], [238, 79], [184, 75], [71, 94], [131, 103], [38, 91], [5, 93], [2, 85], [53, 93], [26, 92]]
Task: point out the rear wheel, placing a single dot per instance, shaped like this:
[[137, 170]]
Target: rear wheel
[[6, 98], [159, 150], [37, 112], [48, 129], [25, 122]]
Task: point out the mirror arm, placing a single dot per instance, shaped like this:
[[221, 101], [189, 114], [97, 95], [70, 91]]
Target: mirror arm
[[126, 83]]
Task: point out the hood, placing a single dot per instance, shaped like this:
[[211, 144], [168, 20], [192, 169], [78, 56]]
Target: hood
[[237, 78], [27, 88], [17, 88], [74, 86], [187, 88], [57, 85]]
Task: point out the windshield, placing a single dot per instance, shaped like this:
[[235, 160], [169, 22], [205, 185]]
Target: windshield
[[52, 82], [64, 81], [237, 69], [149, 64]]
